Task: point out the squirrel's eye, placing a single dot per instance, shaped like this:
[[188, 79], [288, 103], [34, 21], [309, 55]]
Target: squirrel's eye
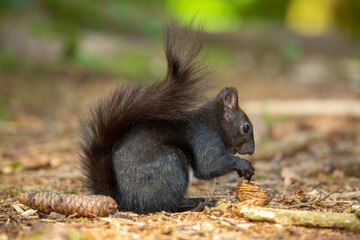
[[246, 128]]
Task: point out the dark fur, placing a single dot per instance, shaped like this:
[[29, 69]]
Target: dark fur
[[139, 142]]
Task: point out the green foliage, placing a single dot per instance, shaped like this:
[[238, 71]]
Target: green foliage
[[18, 5], [218, 15], [145, 17], [131, 65], [67, 20], [127, 64], [347, 17], [8, 60], [228, 15], [16, 164], [5, 111], [262, 9], [223, 55], [116, 16]]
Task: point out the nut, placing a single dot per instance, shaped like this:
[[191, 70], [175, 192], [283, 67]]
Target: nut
[[251, 193]]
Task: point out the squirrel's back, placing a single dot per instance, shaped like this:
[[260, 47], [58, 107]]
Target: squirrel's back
[[114, 115]]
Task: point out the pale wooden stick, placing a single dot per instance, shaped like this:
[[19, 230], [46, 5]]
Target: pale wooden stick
[[349, 222]]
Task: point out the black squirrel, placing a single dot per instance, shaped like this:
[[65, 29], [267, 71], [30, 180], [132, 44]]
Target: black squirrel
[[140, 141]]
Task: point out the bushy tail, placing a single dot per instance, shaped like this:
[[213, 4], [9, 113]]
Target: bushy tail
[[114, 115]]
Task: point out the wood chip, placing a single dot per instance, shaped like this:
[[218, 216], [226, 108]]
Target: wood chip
[[28, 213], [18, 208]]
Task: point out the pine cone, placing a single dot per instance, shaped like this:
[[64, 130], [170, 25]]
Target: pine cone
[[68, 204]]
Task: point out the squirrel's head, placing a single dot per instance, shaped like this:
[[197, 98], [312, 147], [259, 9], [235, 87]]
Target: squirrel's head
[[236, 124]]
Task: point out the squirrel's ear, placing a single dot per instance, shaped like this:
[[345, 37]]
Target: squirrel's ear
[[230, 100]]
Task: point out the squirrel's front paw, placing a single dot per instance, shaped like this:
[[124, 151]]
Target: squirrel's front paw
[[244, 169]]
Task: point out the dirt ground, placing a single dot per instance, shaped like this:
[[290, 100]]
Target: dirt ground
[[320, 173]]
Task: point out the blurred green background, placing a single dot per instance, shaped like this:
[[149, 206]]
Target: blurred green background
[[53, 53]]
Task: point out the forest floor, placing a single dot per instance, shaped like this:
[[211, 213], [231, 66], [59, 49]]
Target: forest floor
[[299, 158]]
